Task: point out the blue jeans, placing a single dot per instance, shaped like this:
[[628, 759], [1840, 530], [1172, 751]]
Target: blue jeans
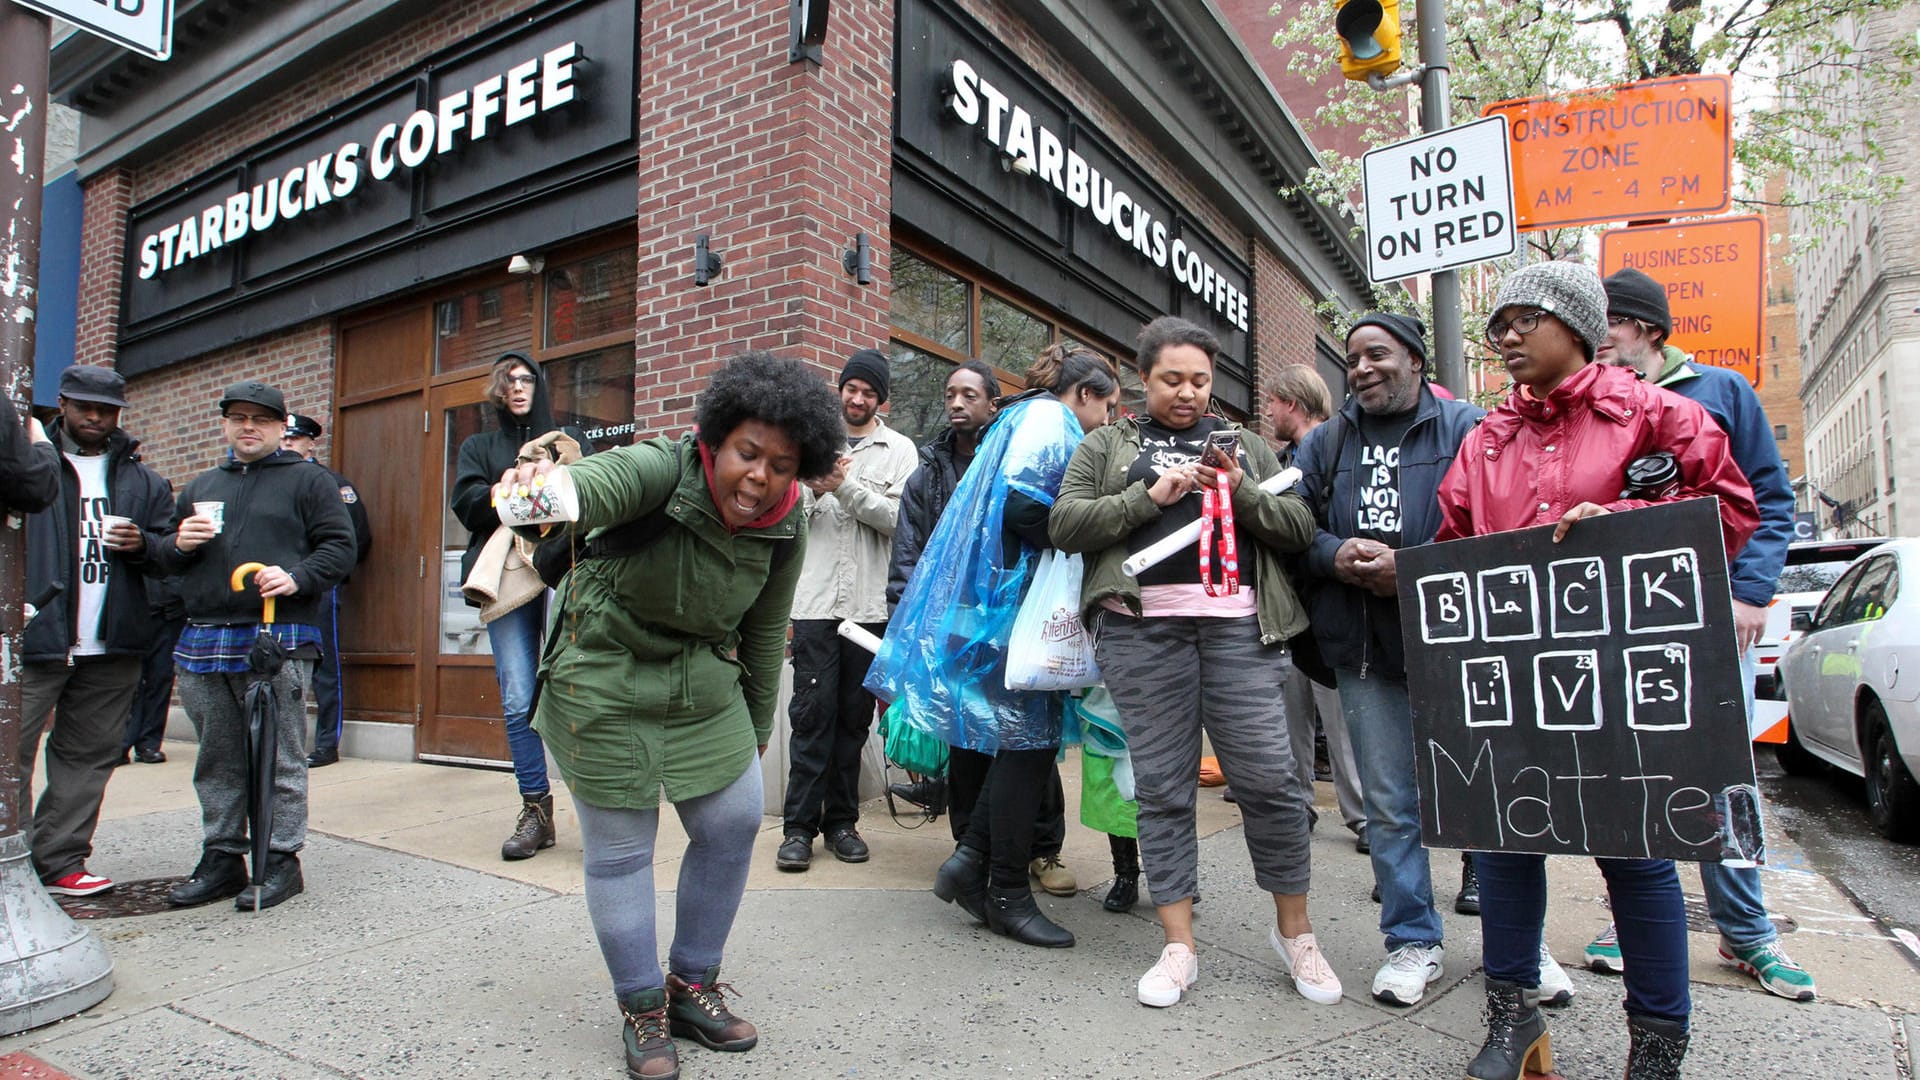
[[515, 638], [1647, 909], [1380, 727], [1733, 892], [713, 877]]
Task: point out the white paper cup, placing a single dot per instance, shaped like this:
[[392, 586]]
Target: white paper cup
[[108, 521], [553, 500], [215, 510]]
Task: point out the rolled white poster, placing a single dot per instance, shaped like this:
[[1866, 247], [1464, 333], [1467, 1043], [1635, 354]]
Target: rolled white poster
[[860, 636], [1169, 546]]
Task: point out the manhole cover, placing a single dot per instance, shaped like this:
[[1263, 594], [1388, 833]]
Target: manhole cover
[[1700, 920], [144, 897]]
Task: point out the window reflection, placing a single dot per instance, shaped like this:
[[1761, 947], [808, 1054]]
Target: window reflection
[[472, 330], [591, 297], [929, 301]]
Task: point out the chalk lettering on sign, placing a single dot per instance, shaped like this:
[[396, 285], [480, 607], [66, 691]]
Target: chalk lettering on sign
[[1544, 801], [1663, 592], [1435, 752], [1577, 593], [1488, 692], [1684, 806], [1509, 610], [1446, 608], [1659, 687], [1566, 690]]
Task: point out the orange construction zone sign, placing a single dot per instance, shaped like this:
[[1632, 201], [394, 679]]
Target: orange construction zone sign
[[1657, 148], [1715, 274]]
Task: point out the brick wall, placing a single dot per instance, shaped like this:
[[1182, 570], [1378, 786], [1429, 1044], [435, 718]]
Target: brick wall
[[1284, 326], [105, 200], [781, 164]]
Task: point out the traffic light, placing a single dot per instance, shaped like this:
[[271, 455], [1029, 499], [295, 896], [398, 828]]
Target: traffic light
[[1369, 37]]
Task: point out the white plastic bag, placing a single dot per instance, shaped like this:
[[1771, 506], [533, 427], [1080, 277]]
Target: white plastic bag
[[1049, 648]]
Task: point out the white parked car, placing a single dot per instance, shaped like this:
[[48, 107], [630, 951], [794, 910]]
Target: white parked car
[[1852, 683], [1811, 568]]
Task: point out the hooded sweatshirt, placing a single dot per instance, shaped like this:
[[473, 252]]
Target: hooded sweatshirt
[[485, 456]]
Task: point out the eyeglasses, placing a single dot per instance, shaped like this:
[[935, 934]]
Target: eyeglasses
[[522, 380], [252, 419], [1523, 325]]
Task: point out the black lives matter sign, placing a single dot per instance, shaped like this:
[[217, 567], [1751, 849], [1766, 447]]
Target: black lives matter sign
[[1581, 697]]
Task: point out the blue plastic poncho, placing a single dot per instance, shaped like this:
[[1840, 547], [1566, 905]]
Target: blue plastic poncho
[[945, 650]]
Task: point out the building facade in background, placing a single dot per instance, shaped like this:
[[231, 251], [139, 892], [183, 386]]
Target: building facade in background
[[1857, 288], [366, 205]]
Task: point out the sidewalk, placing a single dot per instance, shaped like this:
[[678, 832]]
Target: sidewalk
[[416, 952]]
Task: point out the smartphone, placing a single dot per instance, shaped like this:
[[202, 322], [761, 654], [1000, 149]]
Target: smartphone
[[1222, 445]]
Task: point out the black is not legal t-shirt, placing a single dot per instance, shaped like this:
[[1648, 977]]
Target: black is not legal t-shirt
[[1163, 448], [1378, 514]]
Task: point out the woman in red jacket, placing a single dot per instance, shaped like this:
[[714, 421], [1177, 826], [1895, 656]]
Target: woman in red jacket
[[1555, 452]]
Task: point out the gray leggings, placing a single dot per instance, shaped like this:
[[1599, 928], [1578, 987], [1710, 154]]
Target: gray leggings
[[1171, 677], [713, 876]]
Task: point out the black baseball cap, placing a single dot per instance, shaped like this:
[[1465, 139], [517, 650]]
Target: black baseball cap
[[88, 382], [255, 393], [301, 424]]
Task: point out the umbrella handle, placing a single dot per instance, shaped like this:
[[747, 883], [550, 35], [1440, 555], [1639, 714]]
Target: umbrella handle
[[239, 582]]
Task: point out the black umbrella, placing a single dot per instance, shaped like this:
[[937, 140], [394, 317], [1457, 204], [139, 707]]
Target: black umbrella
[[264, 660]]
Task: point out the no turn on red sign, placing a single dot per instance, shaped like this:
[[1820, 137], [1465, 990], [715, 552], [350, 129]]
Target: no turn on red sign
[[1439, 201]]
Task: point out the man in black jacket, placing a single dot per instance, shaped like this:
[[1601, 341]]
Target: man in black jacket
[[259, 505], [87, 559], [29, 467], [330, 712]]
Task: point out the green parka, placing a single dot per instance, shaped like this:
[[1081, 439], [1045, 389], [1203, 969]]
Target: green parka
[[1097, 510], [662, 667]]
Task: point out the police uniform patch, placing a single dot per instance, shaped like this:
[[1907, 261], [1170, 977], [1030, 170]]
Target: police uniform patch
[[348, 495]]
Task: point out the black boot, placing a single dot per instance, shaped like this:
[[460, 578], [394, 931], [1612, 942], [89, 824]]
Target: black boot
[[699, 1011], [650, 1052], [220, 874], [1012, 913], [1516, 1036], [282, 880], [929, 794], [1126, 875], [1467, 900], [1658, 1047], [533, 831], [962, 880]]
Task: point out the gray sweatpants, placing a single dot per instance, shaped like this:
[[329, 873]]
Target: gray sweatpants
[[217, 705], [1173, 677]]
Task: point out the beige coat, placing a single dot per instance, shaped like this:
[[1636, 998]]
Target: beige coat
[[850, 533]]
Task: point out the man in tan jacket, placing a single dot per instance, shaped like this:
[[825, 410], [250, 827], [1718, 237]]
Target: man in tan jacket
[[850, 520]]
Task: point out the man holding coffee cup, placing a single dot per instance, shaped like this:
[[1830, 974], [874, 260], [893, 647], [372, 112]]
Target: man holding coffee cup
[[88, 555], [259, 505]]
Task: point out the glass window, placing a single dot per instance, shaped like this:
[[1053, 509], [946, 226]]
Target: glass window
[[930, 302], [594, 392], [916, 398], [1827, 615], [589, 298], [1010, 337], [1871, 596], [472, 330]]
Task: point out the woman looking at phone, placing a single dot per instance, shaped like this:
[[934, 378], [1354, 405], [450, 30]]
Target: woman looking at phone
[[1197, 642]]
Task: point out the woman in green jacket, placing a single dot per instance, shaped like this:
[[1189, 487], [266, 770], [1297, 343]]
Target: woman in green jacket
[[1182, 652], [660, 670]]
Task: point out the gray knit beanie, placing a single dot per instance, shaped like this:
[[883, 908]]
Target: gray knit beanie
[[1570, 291]]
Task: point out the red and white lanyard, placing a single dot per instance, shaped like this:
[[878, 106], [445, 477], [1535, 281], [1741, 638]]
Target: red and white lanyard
[[1216, 511]]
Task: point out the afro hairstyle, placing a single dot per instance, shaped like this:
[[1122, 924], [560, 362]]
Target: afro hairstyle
[[784, 393]]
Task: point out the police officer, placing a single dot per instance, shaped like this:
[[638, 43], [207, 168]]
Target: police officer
[[302, 430]]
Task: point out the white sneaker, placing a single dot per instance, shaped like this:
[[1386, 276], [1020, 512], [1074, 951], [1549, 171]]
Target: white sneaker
[[1302, 958], [1555, 987], [1169, 977], [1409, 970]]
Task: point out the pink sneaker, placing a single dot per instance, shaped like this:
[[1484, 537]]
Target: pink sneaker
[[78, 883], [1170, 977], [1312, 975]]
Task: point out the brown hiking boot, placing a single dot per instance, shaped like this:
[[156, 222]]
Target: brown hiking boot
[[650, 1052], [698, 1011], [533, 831]]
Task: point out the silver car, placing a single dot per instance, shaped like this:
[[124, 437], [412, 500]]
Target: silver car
[[1852, 684]]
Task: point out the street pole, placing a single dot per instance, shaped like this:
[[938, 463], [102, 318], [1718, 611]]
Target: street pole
[[1449, 346], [50, 966]]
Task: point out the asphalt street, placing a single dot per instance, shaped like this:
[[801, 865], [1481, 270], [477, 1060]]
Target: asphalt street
[[1826, 818]]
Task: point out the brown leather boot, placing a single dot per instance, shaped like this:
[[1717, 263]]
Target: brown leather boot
[[650, 1052], [533, 831], [698, 1011]]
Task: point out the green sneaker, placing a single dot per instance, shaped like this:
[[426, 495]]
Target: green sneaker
[[1771, 965], [1603, 953]]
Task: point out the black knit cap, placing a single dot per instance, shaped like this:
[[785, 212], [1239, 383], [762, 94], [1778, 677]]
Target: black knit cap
[[1635, 295], [1405, 329], [870, 367]]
